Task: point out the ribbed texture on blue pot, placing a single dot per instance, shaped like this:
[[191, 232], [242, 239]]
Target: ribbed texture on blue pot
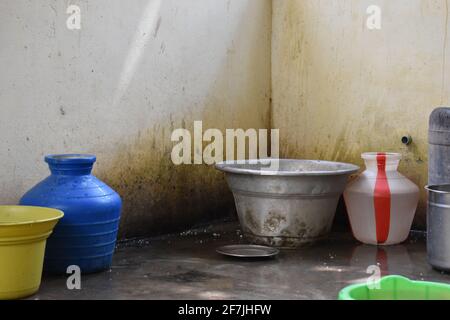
[[87, 234]]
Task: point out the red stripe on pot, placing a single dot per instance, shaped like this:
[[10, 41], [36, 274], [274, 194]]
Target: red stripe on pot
[[382, 201]]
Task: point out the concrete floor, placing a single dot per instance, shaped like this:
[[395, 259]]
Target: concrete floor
[[186, 266]]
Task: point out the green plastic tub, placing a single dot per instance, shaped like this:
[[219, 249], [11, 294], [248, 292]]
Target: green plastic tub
[[397, 288]]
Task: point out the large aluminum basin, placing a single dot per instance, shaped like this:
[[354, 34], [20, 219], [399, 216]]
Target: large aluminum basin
[[290, 206]]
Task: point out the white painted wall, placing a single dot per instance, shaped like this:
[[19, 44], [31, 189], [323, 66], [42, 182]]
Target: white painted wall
[[118, 87]]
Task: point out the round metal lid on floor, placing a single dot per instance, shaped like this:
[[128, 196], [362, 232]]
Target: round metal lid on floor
[[248, 251]]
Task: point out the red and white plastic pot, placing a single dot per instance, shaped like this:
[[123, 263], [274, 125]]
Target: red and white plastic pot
[[381, 202]]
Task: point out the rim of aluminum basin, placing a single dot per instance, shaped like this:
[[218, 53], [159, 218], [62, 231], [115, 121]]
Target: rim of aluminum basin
[[287, 167]]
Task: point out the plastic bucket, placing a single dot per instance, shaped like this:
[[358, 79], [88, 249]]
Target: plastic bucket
[[23, 234], [397, 288]]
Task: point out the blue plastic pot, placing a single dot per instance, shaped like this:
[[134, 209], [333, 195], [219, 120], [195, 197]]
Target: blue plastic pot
[[87, 234]]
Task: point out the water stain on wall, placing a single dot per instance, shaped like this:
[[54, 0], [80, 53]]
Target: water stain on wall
[[340, 89], [159, 196]]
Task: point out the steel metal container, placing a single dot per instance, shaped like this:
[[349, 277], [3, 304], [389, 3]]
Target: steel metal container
[[438, 226], [286, 203], [439, 147]]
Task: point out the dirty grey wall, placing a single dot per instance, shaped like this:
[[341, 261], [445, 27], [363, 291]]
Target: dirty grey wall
[[340, 89], [118, 87]]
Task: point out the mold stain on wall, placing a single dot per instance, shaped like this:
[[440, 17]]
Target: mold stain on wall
[[340, 89], [158, 196]]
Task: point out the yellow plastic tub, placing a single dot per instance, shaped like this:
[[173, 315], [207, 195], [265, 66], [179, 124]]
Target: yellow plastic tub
[[23, 234]]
